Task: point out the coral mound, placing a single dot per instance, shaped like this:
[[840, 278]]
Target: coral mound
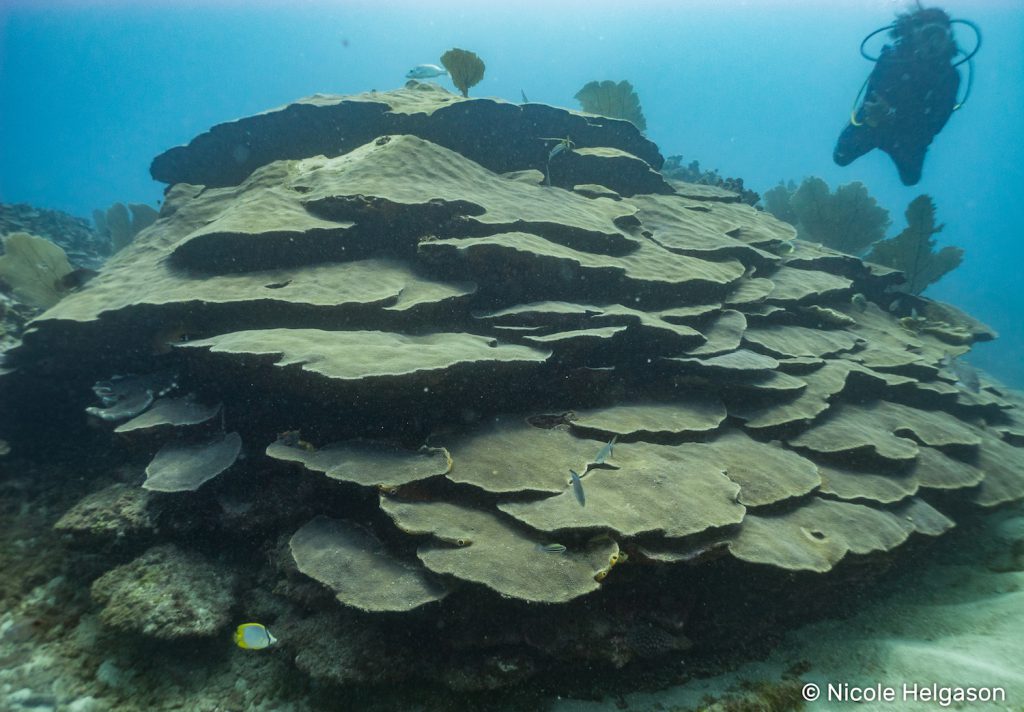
[[166, 593], [478, 393]]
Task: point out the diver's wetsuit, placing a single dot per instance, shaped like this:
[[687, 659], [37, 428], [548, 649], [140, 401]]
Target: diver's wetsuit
[[909, 98]]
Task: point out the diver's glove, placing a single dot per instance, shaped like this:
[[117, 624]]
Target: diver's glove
[[877, 111]]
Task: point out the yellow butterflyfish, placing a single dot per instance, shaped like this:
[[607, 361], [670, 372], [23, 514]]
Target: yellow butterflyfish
[[253, 636]]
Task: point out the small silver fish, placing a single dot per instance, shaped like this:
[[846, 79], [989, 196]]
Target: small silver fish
[[605, 452], [551, 548], [965, 374], [426, 71], [577, 488], [561, 147]]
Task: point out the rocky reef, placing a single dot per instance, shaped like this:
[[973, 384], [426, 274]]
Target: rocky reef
[[166, 593], [85, 247], [437, 407], [43, 255]]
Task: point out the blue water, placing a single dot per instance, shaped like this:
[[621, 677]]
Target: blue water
[[91, 91]]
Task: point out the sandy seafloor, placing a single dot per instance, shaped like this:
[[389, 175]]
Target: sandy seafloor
[[955, 617], [958, 621]]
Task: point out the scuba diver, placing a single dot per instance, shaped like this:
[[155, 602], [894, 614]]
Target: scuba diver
[[911, 92]]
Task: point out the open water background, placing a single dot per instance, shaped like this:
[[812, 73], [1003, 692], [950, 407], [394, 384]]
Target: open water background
[[91, 91]]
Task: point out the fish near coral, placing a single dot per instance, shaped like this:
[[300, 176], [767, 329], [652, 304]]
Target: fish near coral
[[577, 488], [426, 71], [561, 146], [605, 452], [253, 636]]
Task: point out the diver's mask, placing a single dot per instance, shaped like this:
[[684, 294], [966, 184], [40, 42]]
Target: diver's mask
[[932, 41], [927, 39]]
